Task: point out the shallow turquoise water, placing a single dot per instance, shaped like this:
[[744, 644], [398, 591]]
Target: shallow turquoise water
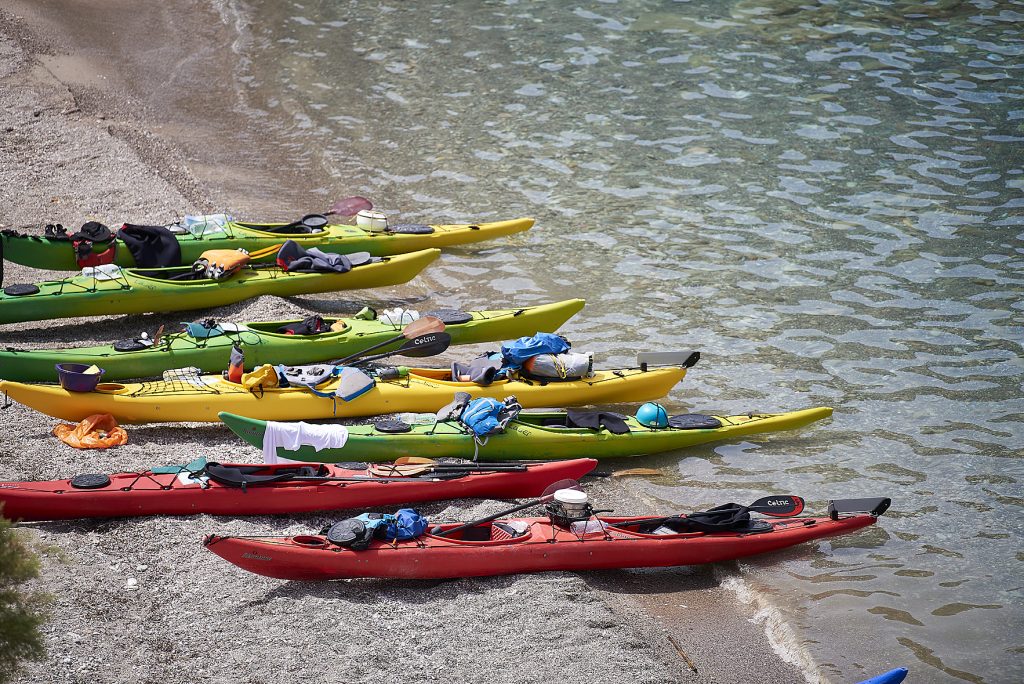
[[825, 198]]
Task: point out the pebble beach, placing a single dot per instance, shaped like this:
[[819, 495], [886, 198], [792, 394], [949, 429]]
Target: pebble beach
[[140, 599]]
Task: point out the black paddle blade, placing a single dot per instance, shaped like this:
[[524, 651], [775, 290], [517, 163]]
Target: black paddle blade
[[779, 506], [430, 344], [874, 506]]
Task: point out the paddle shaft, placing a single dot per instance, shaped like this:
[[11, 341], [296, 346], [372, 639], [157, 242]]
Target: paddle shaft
[[350, 357], [367, 478], [481, 521], [757, 509], [456, 466]]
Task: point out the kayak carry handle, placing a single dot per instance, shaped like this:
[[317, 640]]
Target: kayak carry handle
[[876, 506]]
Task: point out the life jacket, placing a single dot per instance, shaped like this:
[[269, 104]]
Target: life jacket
[[83, 241], [486, 416], [481, 416]]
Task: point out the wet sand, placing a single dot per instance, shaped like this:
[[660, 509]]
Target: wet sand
[[105, 117]]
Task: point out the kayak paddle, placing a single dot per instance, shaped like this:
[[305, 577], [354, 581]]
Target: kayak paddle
[[388, 470], [548, 495], [778, 506], [430, 344], [421, 326]]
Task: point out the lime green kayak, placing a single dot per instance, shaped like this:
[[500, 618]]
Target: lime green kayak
[[541, 435], [58, 255], [263, 344], [149, 290]]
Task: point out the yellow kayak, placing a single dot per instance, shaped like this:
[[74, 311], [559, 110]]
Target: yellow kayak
[[423, 390]]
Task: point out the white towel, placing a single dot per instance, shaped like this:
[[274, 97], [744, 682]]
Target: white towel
[[291, 436]]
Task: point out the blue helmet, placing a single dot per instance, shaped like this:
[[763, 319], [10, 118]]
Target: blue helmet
[[652, 415]]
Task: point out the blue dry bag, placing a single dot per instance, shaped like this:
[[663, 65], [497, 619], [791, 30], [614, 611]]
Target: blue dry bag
[[518, 351]]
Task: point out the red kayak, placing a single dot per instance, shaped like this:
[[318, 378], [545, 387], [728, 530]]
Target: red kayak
[[526, 545], [255, 489]]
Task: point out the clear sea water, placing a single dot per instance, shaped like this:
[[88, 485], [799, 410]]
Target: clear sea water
[[825, 198]]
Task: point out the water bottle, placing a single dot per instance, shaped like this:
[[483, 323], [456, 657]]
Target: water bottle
[[392, 373], [206, 224]]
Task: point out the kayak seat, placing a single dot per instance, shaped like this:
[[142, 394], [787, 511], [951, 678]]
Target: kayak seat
[[694, 421], [243, 476], [496, 531], [296, 228], [182, 273]]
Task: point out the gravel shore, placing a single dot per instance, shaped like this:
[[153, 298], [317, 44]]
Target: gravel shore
[[141, 600]]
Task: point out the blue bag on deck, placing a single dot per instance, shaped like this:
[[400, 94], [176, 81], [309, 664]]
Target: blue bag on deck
[[517, 351], [407, 523], [483, 416]]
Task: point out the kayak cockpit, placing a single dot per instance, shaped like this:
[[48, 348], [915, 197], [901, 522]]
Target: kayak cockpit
[[494, 533], [648, 531]]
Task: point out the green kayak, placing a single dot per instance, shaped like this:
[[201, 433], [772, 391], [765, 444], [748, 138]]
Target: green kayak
[[58, 255], [150, 290], [530, 436], [263, 344]]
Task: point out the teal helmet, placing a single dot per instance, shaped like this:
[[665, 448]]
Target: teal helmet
[[652, 415]]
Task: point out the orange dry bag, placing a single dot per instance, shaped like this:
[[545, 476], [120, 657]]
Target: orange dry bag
[[98, 431]]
